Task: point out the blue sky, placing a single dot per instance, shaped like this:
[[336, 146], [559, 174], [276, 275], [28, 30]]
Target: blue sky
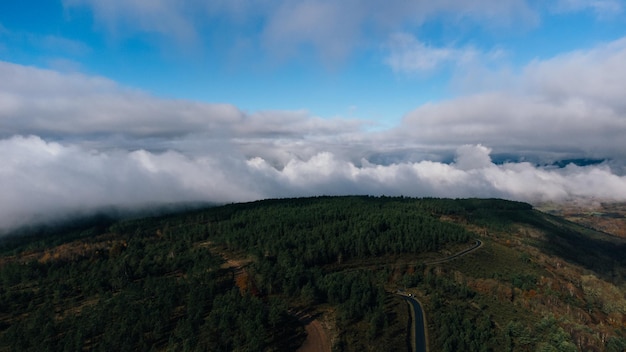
[[131, 102], [229, 54]]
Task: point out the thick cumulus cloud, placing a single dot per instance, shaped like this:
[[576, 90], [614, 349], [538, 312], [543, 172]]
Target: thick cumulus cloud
[[571, 105], [42, 180], [47, 102], [52, 104]]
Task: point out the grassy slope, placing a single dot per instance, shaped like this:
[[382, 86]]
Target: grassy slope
[[542, 271]]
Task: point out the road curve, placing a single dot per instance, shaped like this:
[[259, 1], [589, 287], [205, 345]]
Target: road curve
[[419, 340], [316, 338]]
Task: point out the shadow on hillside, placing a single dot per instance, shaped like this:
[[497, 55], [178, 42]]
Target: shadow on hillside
[[599, 252]]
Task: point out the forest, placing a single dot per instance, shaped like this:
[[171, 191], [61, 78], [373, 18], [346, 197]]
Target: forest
[[164, 282]]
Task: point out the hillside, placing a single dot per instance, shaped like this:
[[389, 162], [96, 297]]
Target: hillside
[[606, 217], [250, 276]]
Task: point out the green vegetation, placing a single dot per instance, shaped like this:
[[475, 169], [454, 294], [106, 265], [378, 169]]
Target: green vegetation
[[161, 283]]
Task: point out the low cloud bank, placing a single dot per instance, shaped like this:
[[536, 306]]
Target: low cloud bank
[[43, 180]]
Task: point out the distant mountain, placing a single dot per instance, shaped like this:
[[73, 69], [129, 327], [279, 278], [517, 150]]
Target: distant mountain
[[578, 162]]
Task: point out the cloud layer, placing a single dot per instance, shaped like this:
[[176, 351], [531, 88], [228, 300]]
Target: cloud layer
[[571, 103], [333, 29], [45, 180], [72, 142]]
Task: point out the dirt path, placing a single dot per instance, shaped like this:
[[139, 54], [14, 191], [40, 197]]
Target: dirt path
[[316, 338]]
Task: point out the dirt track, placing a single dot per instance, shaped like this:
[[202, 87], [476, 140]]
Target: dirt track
[[316, 339]]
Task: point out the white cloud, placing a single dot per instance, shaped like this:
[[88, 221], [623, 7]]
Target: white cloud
[[407, 55], [324, 25], [42, 180], [97, 143], [595, 75], [332, 29], [572, 103], [471, 157], [602, 8], [49, 104]]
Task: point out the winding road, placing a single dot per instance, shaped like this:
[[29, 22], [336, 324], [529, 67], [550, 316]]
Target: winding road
[[318, 341], [419, 335]]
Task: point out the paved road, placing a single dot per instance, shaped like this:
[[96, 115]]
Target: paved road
[[419, 342]]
